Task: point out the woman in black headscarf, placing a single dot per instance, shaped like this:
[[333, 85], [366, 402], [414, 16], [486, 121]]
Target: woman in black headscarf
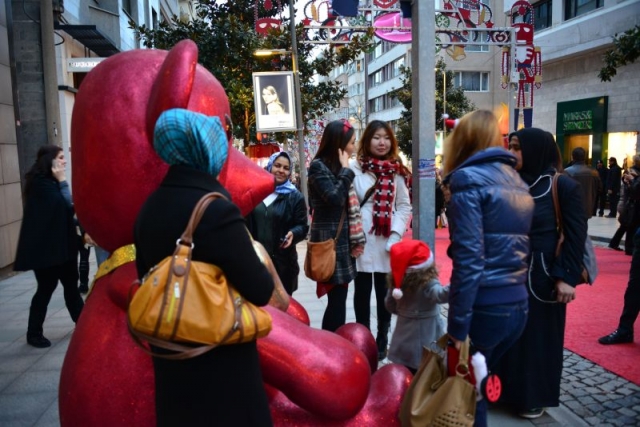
[[532, 368]]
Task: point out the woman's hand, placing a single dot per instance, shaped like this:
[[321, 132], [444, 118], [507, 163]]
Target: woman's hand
[[344, 158], [456, 343], [357, 250], [565, 292], [57, 170], [88, 240], [287, 240]]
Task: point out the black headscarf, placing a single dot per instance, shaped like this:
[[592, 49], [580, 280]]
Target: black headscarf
[[539, 153]]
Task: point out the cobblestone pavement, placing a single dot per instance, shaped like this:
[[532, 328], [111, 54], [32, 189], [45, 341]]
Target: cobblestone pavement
[[597, 396]]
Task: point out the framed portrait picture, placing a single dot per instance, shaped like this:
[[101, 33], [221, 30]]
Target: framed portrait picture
[[275, 107]]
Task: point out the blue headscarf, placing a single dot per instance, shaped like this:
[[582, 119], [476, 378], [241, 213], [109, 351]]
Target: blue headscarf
[[182, 137], [286, 187]]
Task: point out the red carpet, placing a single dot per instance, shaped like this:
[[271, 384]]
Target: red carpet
[[594, 313]]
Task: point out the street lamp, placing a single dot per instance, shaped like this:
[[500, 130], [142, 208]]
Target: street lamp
[[444, 100]]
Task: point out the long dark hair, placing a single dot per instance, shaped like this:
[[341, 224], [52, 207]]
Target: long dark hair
[[42, 165], [336, 136]]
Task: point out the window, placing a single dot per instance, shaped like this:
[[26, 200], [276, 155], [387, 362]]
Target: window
[[476, 48], [376, 104], [542, 15], [573, 8], [392, 101], [472, 81], [395, 69], [376, 78]]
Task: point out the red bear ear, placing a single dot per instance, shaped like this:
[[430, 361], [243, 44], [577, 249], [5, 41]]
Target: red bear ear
[[174, 84]]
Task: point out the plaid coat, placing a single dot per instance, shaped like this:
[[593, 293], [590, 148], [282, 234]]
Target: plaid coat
[[328, 196]]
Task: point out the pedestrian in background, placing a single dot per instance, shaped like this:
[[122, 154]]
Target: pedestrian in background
[[329, 181], [280, 221], [489, 213], [531, 370], [614, 181], [48, 243], [603, 173], [588, 178], [386, 211], [414, 296], [624, 332]]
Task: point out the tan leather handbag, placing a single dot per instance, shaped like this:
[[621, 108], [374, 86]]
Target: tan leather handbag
[[436, 399], [320, 261], [188, 306]]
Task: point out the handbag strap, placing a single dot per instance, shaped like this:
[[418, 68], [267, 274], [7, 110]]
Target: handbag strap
[[196, 215], [558, 211], [344, 212]]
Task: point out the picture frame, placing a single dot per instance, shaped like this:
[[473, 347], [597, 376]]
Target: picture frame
[[274, 101]]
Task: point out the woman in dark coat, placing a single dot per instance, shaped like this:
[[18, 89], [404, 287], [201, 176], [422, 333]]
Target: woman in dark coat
[[490, 213], [532, 368], [280, 222], [329, 181], [222, 387], [48, 240]]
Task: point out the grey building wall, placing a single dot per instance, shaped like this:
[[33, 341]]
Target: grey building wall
[[10, 188]]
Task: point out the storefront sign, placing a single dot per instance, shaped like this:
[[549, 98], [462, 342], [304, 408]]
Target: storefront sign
[[581, 120], [82, 65], [584, 116]]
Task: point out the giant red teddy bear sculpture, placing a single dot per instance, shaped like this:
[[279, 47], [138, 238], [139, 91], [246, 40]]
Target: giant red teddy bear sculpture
[[313, 377]]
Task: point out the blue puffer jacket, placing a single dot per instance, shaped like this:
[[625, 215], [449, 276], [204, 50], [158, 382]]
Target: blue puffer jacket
[[490, 215]]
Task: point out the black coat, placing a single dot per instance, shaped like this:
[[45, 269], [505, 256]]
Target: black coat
[[614, 180], [48, 234], [288, 212], [224, 386]]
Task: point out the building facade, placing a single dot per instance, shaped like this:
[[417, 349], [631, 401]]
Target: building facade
[[574, 104]]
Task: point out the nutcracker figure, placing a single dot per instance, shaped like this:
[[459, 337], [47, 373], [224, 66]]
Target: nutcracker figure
[[525, 66]]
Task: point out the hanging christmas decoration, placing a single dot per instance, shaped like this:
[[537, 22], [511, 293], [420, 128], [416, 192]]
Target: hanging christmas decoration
[[263, 25], [524, 67]]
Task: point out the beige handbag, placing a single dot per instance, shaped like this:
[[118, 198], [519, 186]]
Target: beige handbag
[[320, 261], [436, 399]]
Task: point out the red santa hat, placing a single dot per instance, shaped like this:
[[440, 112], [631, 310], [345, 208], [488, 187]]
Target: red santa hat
[[405, 255]]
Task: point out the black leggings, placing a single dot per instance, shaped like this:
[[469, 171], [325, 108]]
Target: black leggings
[[336, 313], [47, 279], [362, 298]]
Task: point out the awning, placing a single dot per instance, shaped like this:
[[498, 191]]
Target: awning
[[91, 37]]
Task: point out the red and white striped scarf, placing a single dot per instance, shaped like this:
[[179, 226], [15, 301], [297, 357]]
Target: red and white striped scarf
[[383, 193]]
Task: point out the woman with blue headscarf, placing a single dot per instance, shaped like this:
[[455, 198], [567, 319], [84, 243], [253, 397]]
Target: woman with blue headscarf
[[280, 221], [222, 387]]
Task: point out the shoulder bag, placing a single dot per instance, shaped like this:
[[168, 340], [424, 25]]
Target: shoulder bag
[[188, 306], [320, 261], [435, 399], [589, 265]]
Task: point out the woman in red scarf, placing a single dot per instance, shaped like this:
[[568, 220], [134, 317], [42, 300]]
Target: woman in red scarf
[[386, 211]]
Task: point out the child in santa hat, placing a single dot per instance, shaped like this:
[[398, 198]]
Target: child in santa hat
[[414, 294]]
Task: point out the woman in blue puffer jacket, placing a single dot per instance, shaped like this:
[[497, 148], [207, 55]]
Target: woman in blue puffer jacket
[[490, 213]]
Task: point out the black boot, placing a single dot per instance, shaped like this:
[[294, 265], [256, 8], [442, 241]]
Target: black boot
[[382, 340]]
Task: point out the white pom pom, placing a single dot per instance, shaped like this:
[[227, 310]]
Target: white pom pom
[[480, 371], [397, 293]]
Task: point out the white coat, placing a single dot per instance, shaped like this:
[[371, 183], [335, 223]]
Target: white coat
[[375, 258]]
